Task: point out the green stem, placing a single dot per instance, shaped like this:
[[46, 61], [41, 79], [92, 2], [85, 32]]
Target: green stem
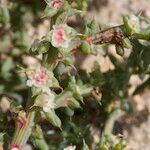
[[21, 135], [110, 122], [142, 36], [107, 131], [38, 138], [108, 35]]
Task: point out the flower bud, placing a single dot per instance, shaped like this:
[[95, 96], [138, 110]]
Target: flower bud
[[53, 7], [119, 50], [56, 4]]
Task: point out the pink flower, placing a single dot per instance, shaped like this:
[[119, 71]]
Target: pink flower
[[40, 77], [56, 4], [60, 35], [48, 102], [64, 37]]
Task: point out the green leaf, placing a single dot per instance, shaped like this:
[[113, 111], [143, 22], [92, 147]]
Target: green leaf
[[120, 146], [126, 43], [38, 138], [41, 144], [39, 47], [62, 18], [131, 24], [91, 28], [145, 58], [66, 98], [4, 15], [7, 66], [2, 136], [73, 103], [2, 89], [53, 118], [34, 46], [85, 146], [127, 106], [68, 60], [128, 29], [60, 69], [142, 35], [51, 58], [49, 12], [69, 111], [86, 48], [43, 47], [119, 50], [62, 97], [97, 77], [55, 83], [37, 103]]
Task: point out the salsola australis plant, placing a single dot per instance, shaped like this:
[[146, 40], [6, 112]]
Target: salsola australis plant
[[57, 94]]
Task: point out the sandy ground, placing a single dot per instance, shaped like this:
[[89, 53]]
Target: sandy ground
[[136, 128]]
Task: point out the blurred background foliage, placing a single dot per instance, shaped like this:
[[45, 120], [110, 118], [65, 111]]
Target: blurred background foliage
[[94, 122]]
